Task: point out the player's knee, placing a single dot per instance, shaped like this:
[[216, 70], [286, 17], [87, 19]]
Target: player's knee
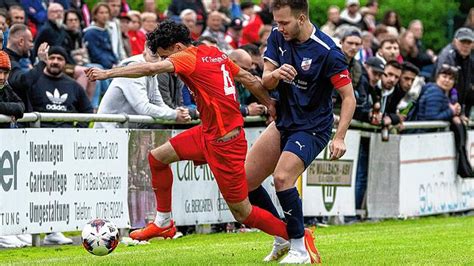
[[281, 181]]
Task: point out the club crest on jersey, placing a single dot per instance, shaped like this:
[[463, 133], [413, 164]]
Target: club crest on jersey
[[306, 63]]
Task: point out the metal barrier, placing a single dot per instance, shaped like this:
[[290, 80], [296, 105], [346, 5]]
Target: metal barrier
[[36, 118]]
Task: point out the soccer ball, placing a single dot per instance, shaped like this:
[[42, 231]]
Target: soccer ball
[[100, 237]]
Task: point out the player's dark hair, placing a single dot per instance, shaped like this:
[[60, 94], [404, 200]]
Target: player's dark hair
[[297, 6], [251, 48], [407, 66], [393, 63], [167, 34]]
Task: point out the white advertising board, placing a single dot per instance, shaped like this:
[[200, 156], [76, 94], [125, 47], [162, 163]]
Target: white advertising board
[[59, 179], [328, 186], [428, 180]]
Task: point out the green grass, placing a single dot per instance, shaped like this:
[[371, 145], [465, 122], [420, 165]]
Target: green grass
[[426, 241]]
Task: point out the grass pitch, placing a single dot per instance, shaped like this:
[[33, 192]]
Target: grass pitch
[[427, 241]]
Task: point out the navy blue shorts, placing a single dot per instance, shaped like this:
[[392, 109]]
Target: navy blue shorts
[[304, 144]]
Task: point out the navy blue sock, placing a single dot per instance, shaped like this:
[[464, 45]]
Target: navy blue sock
[[293, 209], [260, 198]]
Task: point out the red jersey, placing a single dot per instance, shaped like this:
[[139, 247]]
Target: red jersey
[[209, 73]]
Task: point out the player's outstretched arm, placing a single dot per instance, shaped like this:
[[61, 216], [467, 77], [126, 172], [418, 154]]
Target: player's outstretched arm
[[254, 85], [337, 146], [131, 71]]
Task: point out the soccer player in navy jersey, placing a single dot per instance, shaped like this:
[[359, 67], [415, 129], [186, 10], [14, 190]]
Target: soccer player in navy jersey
[[302, 67]]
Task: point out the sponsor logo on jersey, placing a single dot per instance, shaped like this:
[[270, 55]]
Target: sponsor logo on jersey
[[306, 63]]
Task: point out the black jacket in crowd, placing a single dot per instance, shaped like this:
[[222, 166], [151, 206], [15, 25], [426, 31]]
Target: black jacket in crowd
[[10, 104]]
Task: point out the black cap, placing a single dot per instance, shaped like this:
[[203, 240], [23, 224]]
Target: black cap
[[58, 50], [236, 24], [376, 64]]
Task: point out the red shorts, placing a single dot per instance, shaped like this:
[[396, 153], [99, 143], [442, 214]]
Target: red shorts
[[226, 160]]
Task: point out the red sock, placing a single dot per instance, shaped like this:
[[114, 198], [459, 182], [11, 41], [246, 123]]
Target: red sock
[[161, 182], [265, 221]]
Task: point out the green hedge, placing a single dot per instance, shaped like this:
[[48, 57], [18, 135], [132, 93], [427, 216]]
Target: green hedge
[[435, 14]]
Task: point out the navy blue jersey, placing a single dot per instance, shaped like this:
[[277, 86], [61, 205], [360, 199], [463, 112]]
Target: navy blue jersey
[[305, 103]]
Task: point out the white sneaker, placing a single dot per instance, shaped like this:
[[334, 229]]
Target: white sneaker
[[56, 238], [295, 257], [26, 238], [278, 251], [11, 242]]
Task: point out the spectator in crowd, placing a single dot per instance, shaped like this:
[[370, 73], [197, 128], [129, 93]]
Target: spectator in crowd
[[379, 33], [263, 35], [248, 11], [351, 15], [410, 51], [124, 29], [97, 38], [114, 29], [10, 103], [230, 8], [53, 31], [177, 6], [214, 30], [138, 96], [252, 27], [333, 21], [366, 94], [16, 15], [391, 19], [365, 52], [248, 104], [76, 45], [458, 54], [409, 73], [36, 11], [149, 22], [234, 33], [434, 102], [369, 19], [136, 37], [83, 10], [385, 92], [257, 59], [389, 49], [53, 91], [189, 19], [20, 42]]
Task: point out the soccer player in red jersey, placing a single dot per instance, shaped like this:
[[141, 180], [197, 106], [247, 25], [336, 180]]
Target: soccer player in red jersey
[[219, 140]]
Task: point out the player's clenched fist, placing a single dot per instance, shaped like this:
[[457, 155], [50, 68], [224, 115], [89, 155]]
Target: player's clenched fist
[[285, 72], [94, 74]]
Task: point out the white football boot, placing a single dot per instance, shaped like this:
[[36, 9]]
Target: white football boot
[[295, 257], [56, 238], [280, 248]]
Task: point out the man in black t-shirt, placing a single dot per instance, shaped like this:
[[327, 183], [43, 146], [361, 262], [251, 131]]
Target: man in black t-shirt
[[55, 92]]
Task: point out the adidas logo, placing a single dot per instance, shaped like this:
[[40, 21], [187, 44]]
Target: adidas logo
[[56, 98]]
